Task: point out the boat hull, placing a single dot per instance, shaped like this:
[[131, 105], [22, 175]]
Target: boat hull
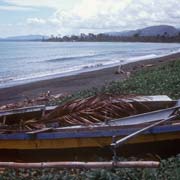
[[142, 150], [87, 143]]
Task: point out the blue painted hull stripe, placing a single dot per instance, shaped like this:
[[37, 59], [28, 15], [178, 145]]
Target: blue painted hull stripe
[[87, 134]]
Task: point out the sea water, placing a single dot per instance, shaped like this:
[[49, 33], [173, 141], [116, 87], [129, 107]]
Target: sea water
[[23, 62]]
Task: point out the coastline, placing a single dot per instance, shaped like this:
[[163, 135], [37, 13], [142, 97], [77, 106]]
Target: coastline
[[74, 83]]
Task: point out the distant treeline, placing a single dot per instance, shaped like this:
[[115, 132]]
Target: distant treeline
[[112, 38]]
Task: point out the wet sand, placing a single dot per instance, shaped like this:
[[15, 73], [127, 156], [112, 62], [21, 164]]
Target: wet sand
[[73, 83]]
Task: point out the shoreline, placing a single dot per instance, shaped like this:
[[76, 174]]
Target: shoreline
[[84, 69], [82, 81]]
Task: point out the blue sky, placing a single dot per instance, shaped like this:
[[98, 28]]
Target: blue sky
[[21, 17]]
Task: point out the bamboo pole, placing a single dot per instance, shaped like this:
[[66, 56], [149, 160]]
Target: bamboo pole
[[88, 165], [136, 133]]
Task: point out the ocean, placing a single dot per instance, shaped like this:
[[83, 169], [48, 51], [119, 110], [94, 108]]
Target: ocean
[[23, 62]]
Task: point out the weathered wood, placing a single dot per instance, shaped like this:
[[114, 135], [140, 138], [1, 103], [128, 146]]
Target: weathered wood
[[38, 108], [21, 110], [88, 165], [40, 131], [4, 120]]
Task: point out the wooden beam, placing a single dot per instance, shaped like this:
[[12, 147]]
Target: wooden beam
[[29, 109], [40, 131]]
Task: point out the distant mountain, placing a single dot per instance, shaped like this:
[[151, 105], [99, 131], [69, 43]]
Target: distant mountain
[[149, 31], [123, 33], [25, 38], [159, 30]]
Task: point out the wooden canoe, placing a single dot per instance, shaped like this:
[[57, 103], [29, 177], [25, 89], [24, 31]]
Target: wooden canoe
[[90, 142]]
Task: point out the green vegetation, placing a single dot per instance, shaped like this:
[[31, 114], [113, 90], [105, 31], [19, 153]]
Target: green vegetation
[[137, 37], [169, 170], [163, 80]]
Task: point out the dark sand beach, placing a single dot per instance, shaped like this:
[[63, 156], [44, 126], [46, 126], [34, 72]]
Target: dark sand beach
[[73, 83]]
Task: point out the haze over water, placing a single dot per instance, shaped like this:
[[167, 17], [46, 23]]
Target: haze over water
[[22, 62]]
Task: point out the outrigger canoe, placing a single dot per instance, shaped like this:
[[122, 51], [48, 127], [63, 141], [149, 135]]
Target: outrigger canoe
[[94, 141]]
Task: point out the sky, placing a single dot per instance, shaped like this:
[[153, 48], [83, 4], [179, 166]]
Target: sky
[[66, 17]]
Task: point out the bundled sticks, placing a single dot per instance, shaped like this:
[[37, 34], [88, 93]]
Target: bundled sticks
[[92, 110], [87, 111]]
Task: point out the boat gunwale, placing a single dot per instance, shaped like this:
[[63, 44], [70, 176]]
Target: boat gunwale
[[88, 133]]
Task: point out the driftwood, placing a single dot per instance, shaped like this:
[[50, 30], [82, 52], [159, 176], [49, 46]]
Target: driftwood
[[88, 165], [120, 70], [147, 65]]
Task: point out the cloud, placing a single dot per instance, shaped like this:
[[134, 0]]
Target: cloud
[[37, 3], [14, 8], [105, 15], [113, 14], [100, 15], [36, 21]]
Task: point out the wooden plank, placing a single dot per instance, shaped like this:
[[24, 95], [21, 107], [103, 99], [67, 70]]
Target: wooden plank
[[40, 131], [145, 117], [21, 110], [26, 110]]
